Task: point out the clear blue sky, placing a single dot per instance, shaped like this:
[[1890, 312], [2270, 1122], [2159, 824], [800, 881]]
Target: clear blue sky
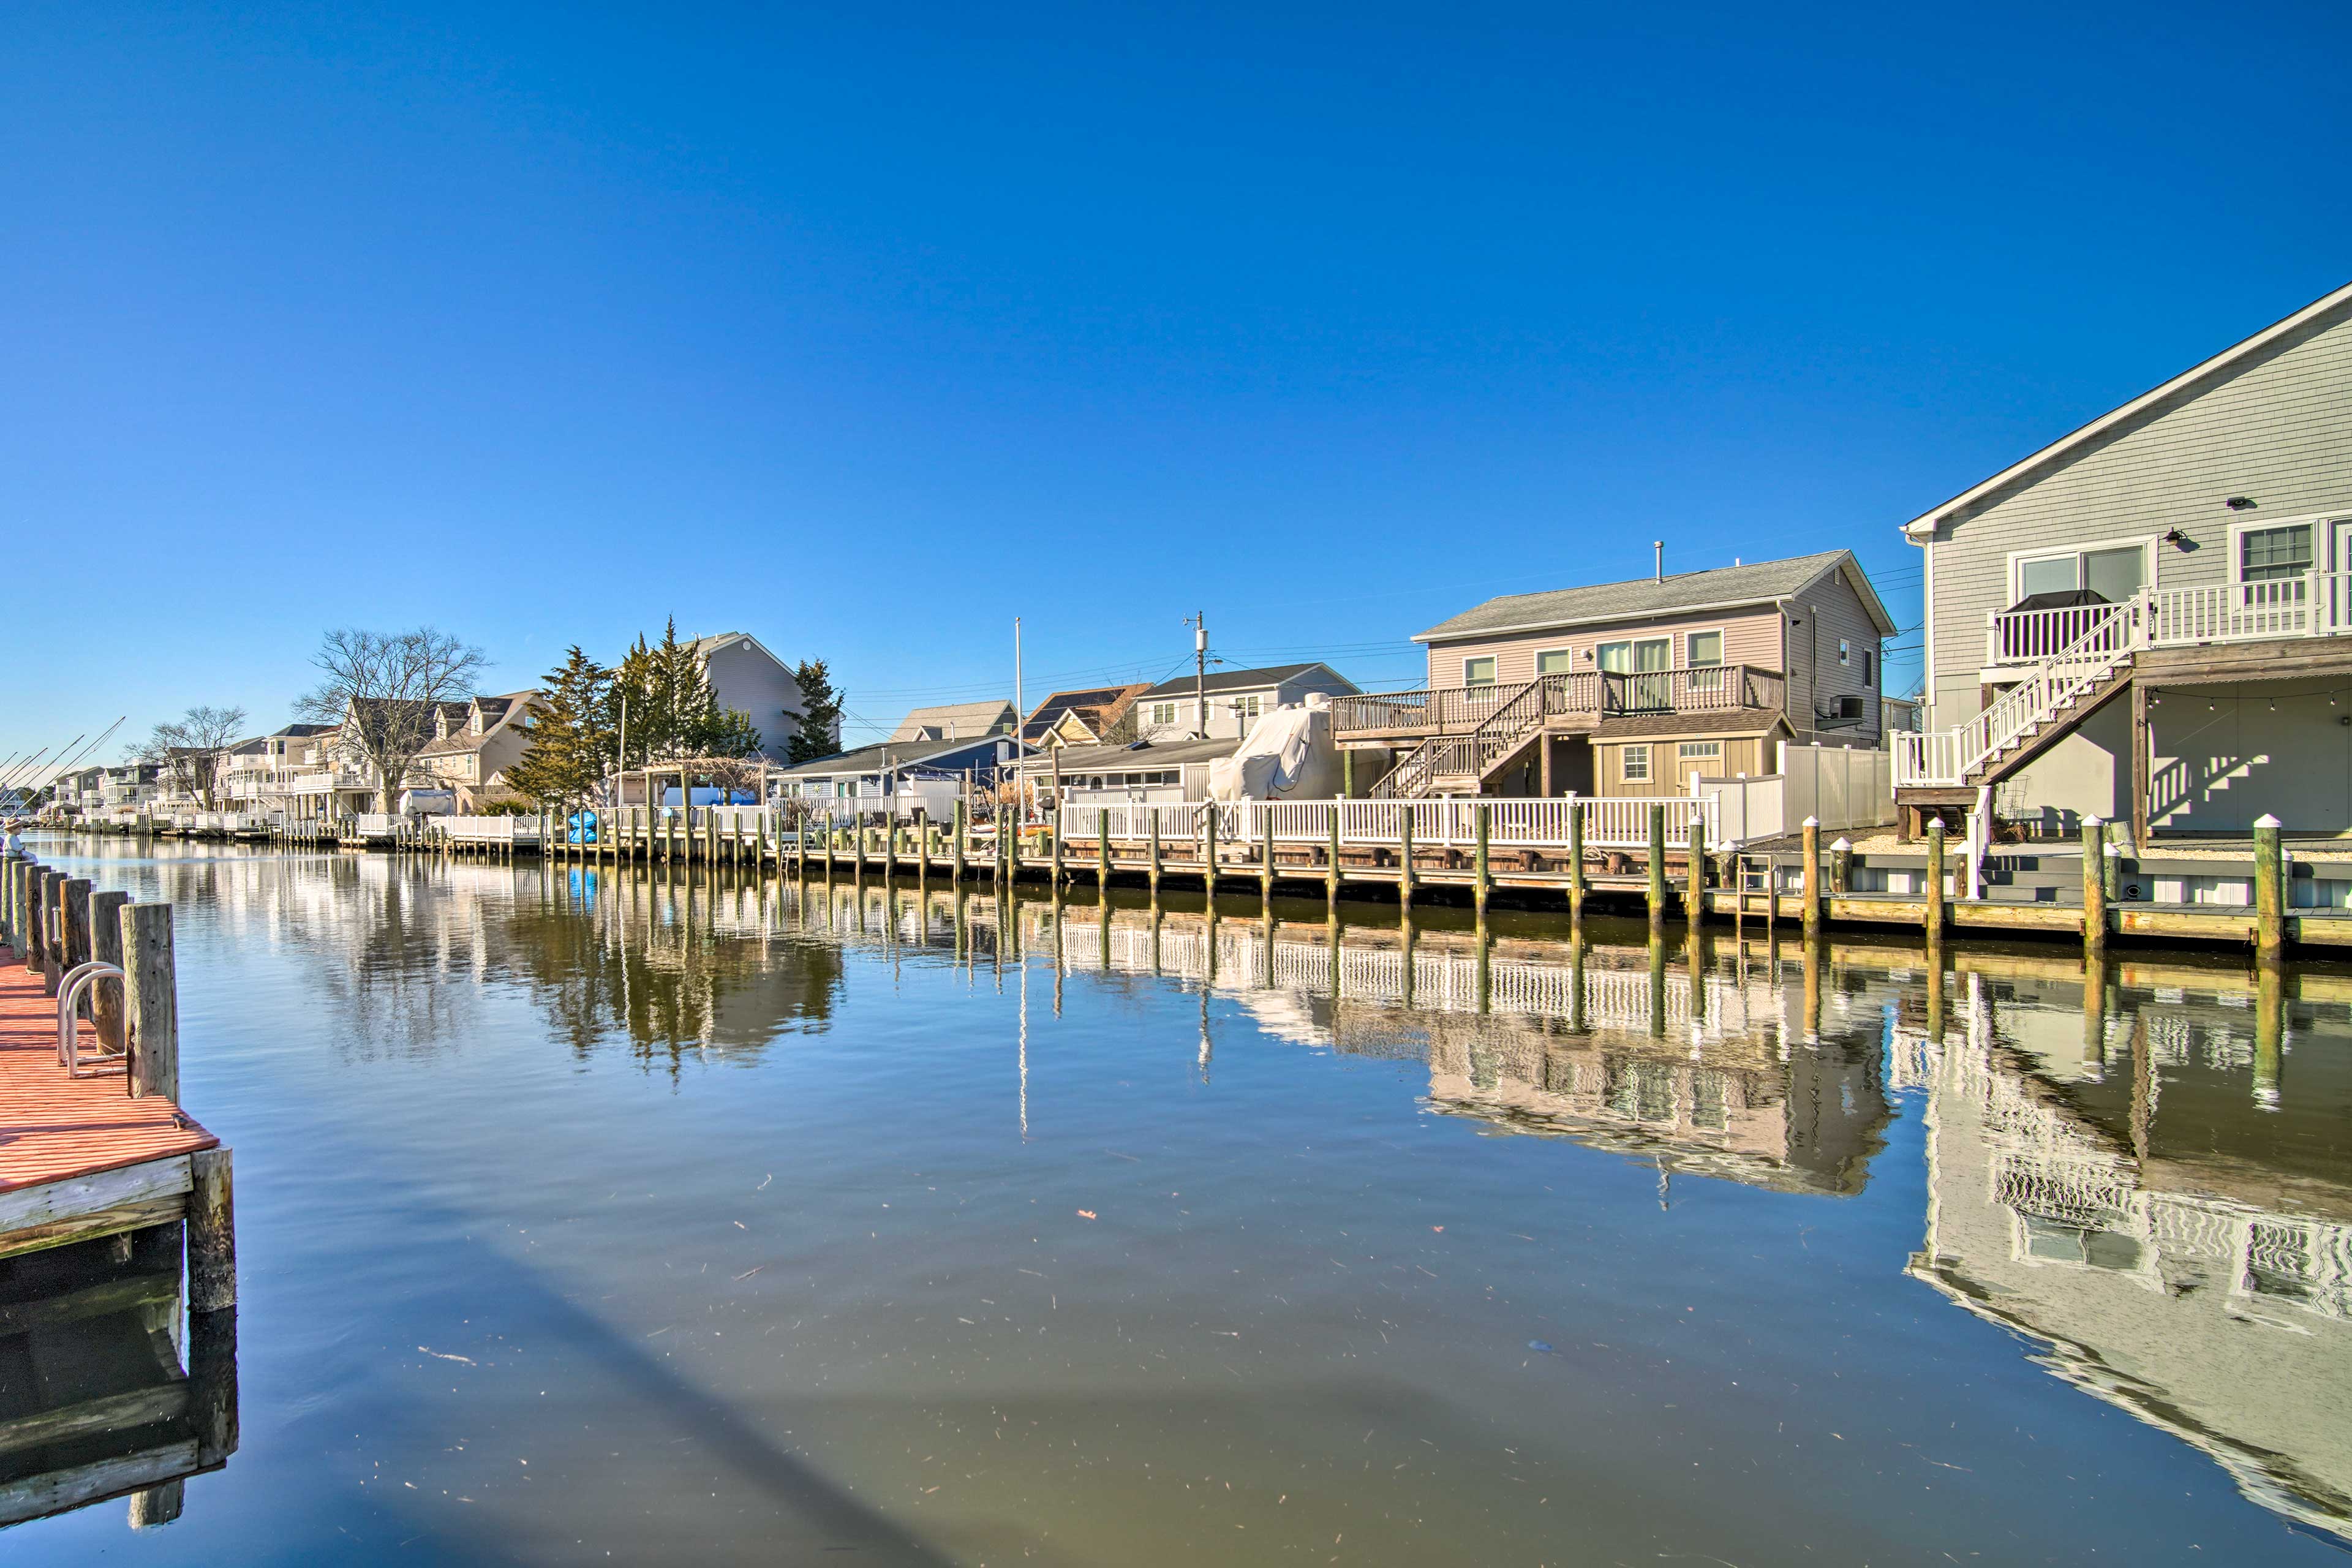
[[867, 329]]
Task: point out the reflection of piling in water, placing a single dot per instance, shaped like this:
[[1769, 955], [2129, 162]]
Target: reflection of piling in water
[[1658, 984], [1812, 990], [2270, 1029]]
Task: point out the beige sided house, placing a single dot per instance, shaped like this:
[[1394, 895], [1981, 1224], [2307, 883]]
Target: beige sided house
[[473, 747], [2151, 618], [1631, 688]]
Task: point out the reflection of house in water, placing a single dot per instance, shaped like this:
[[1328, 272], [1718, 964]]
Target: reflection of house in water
[[1708, 1072], [2122, 1211], [94, 1403]]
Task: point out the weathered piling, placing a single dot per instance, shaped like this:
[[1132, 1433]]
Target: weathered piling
[[1404, 856], [73, 911], [106, 1010], [1209, 852], [960, 826], [2094, 884], [53, 926], [1265, 856], [1575, 861], [1102, 853], [1934, 918], [212, 1232], [1657, 889], [1152, 872], [1482, 818], [1331, 864], [2270, 890], [151, 994], [1694, 873], [1812, 878]]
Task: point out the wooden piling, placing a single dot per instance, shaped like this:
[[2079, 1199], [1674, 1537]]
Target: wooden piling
[[1102, 850], [1332, 866], [105, 946], [1813, 879], [1209, 848], [1657, 868], [1153, 874], [53, 925], [1575, 859], [2094, 884], [2270, 890], [1694, 873], [1935, 914], [1404, 855], [1266, 854], [960, 842], [212, 1232], [151, 994], [1482, 817], [73, 924]]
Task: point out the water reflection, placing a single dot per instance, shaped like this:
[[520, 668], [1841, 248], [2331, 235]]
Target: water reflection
[[2124, 1196], [1059, 1215], [95, 1403]]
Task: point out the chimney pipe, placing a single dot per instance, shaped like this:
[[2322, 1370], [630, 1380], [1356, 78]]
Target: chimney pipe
[[1660, 546]]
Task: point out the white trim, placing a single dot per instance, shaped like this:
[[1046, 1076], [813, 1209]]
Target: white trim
[[2147, 558], [1625, 751], [1632, 646], [2314, 520], [2159, 400], [1493, 674]]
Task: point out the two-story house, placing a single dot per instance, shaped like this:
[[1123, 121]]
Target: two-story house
[[1223, 705], [1089, 716], [956, 722], [2151, 618], [1631, 688], [745, 677], [473, 747]]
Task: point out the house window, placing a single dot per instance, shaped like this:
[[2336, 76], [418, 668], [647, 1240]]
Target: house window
[[1478, 671], [1637, 765], [1555, 661], [2115, 573], [2268, 554], [1694, 757], [1869, 673], [1705, 648], [1163, 713], [1246, 708], [1646, 654], [1846, 651]]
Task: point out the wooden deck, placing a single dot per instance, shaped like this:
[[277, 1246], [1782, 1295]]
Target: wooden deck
[[77, 1156]]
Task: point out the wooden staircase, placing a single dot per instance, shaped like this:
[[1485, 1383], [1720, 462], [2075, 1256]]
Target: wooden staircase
[[2050, 703], [1461, 765]]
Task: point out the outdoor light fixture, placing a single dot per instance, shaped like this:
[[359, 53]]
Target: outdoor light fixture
[[2238, 503], [2173, 536]]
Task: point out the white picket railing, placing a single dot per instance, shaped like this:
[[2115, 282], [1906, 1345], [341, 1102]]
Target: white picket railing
[[1610, 823], [2102, 637], [486, 829]]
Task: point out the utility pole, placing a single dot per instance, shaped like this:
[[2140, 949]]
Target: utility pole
[[1199, 624]]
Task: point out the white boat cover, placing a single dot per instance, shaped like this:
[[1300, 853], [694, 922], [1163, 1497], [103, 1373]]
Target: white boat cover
[[1287, 753]]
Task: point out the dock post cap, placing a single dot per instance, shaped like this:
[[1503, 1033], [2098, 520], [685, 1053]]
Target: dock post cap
[[2093, 819], [2267, 820], [1811, 821], [1841, 842]]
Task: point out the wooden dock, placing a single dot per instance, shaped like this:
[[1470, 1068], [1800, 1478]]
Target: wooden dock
[[106, 1185]]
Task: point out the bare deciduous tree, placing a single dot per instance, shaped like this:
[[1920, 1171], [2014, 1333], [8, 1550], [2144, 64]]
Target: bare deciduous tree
[[382, 690], [187, 751]]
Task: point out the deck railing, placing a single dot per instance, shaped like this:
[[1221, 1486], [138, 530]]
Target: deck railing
[[1609, 822], [1594, 693]]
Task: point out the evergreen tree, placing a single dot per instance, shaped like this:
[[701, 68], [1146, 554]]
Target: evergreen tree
[[673, 712], [820, 731], [571, 734]]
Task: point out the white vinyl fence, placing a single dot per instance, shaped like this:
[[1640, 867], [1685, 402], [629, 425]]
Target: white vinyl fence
[[1842, 787]]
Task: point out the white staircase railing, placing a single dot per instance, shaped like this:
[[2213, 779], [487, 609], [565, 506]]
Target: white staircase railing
[[1949, 756]]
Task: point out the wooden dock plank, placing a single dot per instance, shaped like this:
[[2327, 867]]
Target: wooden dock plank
[[58, 1129]]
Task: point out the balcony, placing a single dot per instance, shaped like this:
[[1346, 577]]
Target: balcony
[[1571, 702], [2308, 604]]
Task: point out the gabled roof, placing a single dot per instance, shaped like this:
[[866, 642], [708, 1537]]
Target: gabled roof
[[2322, 313], [1722, 588], [957, 721], [1247, 679], [706, 647], [1143, 756]]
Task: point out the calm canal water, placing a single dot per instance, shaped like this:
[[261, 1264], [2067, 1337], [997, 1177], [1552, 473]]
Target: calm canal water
[[585, 1216]]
